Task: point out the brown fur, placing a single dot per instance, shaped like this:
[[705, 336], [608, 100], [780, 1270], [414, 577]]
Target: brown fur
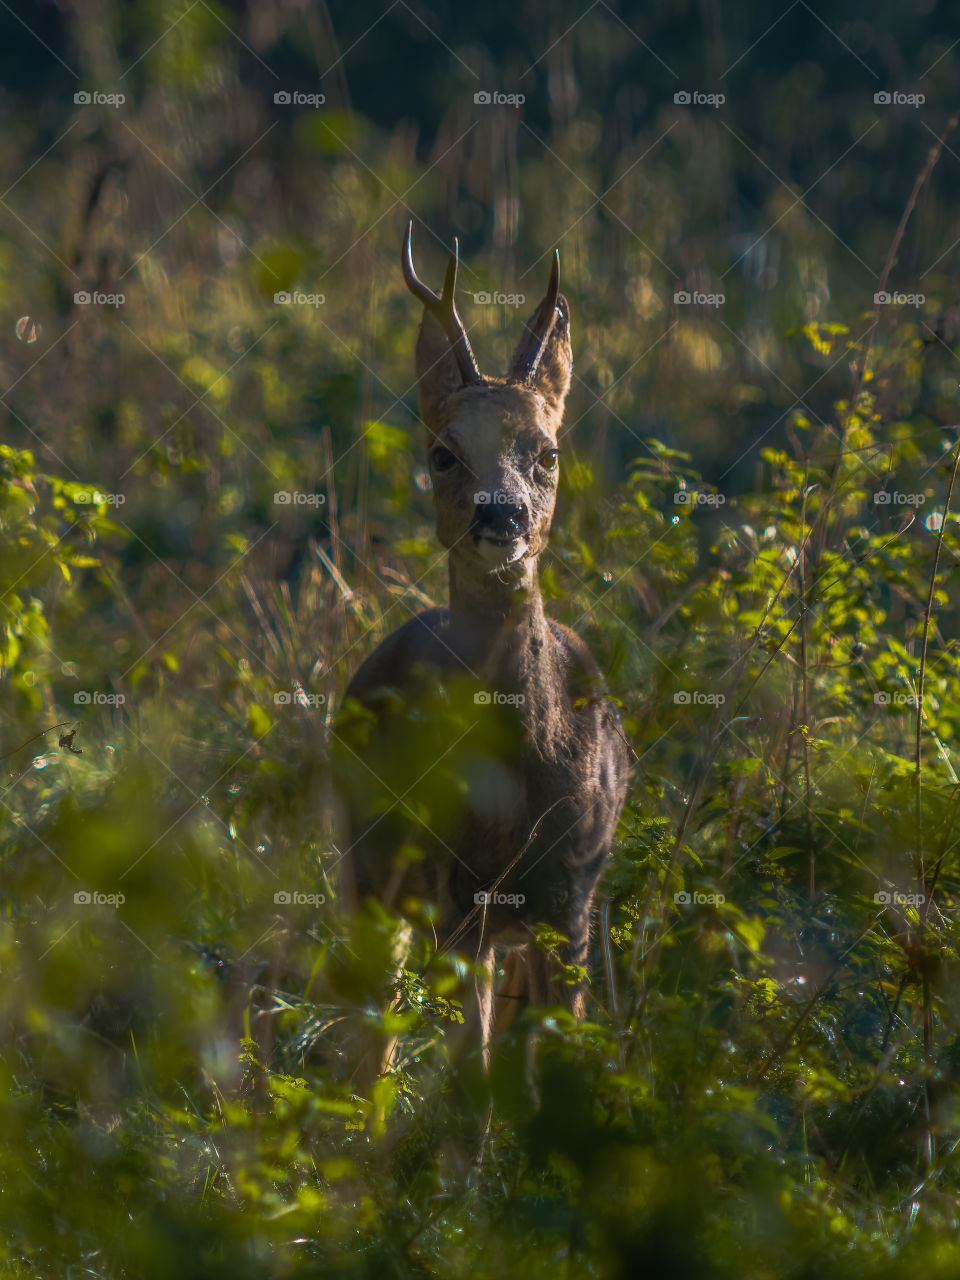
[[549, 782]]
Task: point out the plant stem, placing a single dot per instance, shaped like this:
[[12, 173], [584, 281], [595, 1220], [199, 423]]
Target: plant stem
[[921, 874], [804, 690], [921, 678]]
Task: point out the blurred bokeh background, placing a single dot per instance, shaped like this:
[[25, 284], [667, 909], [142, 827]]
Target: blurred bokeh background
[[214, 502]]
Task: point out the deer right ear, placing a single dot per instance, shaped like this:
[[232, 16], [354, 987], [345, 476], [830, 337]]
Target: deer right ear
[[438, 374]]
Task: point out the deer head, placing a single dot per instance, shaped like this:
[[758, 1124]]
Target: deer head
[[491, 442]]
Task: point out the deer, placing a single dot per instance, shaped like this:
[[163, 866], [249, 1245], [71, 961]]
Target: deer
[[504, 819]]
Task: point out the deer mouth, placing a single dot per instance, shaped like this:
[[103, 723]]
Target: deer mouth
[[500, 551]]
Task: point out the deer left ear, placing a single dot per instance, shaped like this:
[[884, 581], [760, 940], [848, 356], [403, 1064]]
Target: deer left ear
[[552, 374], [543, 358]]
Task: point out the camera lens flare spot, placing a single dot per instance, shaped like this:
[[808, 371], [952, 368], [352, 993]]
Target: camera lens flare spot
[[28, 330]]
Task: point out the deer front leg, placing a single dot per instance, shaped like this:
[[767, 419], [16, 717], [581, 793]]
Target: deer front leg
[[471, 1039], [536, 978], [513, 993], [548, 982], [375, 1057], [466, 1090]]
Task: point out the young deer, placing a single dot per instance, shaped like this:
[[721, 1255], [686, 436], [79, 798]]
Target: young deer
[[502, 769]]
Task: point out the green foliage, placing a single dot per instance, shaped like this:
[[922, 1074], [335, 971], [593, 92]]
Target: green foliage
[[212, 506]]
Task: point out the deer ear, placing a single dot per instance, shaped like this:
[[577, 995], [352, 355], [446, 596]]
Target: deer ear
[[438, 375], [551, 378]]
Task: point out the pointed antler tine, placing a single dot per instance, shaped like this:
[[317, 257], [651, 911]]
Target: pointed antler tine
[[414, 283], [553, 288], [450, 275], [406, 254], [532, 346], [443, 307]]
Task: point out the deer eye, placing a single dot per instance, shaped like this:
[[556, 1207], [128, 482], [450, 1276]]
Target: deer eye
[[443, 459], [549, 459]]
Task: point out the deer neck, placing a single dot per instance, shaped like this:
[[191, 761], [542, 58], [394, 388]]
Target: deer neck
[[498, 629], [488, 610]]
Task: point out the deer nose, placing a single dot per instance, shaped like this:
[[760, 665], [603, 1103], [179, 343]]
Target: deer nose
[[504, 520]]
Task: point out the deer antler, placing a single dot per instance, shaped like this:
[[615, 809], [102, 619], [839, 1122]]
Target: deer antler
[[443, 308], [533, 344]]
